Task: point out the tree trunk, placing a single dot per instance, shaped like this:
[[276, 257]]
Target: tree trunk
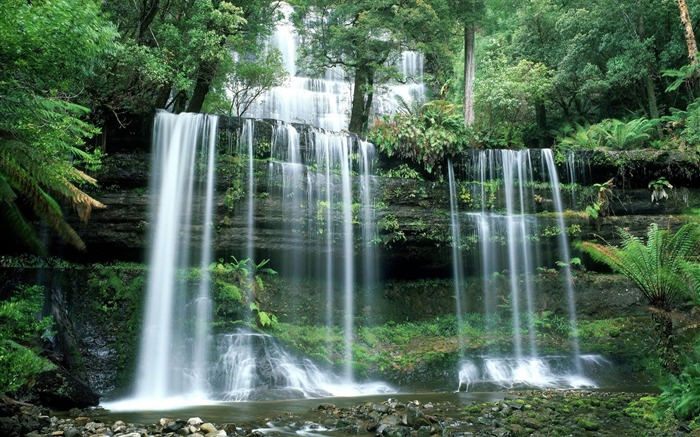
[[201, 87], [357, 113], [653, 106], [664, 330], [469, 72], [689, 34], [648, 80], [541, 116]]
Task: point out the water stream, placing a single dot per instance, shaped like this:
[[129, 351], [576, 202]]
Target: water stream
[[174, 344], [499, 192]]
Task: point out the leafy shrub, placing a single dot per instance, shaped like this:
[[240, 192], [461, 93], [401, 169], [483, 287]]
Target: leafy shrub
[[691, 131], [611, 133], [20, 330], [682, 394], [428, 137]]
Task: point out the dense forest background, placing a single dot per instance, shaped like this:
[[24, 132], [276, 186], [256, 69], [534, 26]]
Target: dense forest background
[[579, 74]]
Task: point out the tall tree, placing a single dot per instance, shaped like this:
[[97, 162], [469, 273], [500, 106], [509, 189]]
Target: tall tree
[[364, 38], [468, 13], [172, 52], [689, 33]]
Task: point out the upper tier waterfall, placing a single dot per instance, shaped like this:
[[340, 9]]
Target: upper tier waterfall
[[325, 101]]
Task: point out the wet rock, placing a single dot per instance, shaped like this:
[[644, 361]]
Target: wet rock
[[389, 420], [59, 390], [195, 421], [230, 428], [533, 423], [218, 433], [72, 432], [119, 427], [173, 425], [207, 428], [413, 415], [380, 408]]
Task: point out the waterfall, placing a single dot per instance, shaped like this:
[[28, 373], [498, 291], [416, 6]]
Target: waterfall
[[316, 182], [457, 264], [564, 251], [246, 149], [325, 101], [502, 202], [174, 344], [369, 231]]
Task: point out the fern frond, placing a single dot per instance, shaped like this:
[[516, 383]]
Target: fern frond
[[7, 194], [662, 268], [20, 227]]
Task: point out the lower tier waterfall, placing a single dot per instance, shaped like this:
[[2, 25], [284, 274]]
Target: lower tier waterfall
[[203, 336], [498, 192]]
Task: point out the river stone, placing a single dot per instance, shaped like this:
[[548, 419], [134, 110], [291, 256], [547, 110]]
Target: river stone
[[207, 428], [413, 413], [174, 425], [380, 408], [72, 432], [219, 433], [132, 434], [500, 432], [390, 420], [518, 430], [230, 428], [195, 421]]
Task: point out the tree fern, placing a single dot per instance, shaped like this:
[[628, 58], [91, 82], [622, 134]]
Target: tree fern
[[663, 268]]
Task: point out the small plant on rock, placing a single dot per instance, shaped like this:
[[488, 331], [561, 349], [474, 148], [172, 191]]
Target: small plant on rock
[[658, 187]]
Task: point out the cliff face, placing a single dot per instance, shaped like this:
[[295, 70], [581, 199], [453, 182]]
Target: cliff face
[[412, 216]]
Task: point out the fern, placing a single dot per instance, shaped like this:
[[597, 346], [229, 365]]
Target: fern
[[663, 268]]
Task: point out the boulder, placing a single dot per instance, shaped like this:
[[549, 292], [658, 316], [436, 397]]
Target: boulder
[[59, 390]]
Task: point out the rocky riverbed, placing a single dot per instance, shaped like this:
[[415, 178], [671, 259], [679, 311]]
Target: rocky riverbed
[[519, 413]]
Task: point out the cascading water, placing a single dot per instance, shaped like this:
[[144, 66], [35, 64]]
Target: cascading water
[[325, 102], [312, 174], [180, 360], [174, 344], [502, 201]]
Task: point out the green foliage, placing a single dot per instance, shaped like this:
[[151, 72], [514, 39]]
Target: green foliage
[[663, 269], [249, 79], [657, 266], [620, 135], [20, 331], [117, 287], [507, 95], [403, 171], [47, 54], [682, 393], [691, 124], [658, 187], [365, 38], [601, 205], [681, 76], [238, 288], [427, 138]]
